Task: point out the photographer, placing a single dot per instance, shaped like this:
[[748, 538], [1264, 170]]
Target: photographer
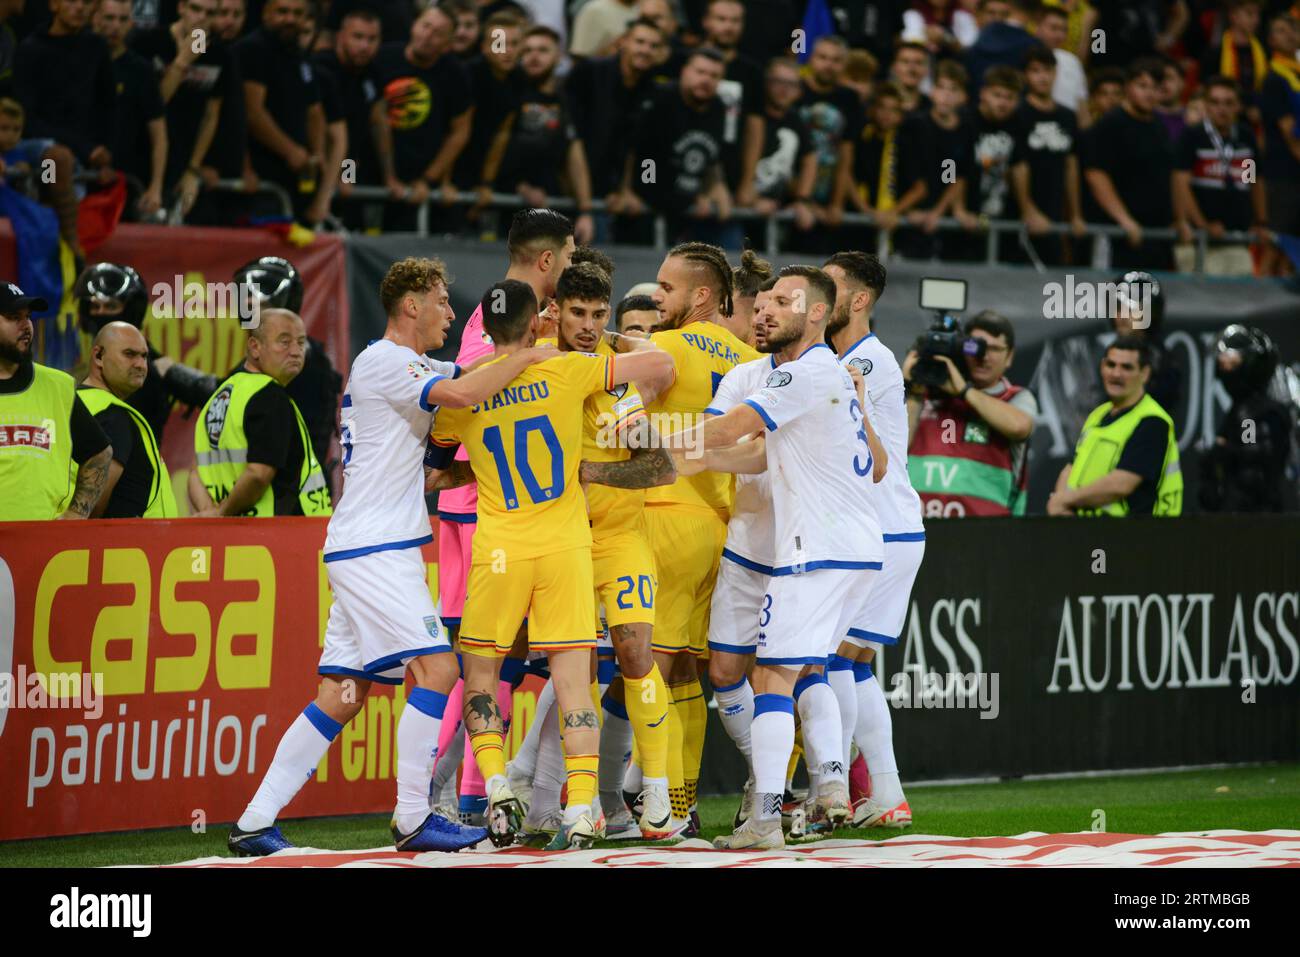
[[968, 434]]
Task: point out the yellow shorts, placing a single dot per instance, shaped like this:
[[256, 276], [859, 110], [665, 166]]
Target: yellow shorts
[[687, 546], [624, 569], [555, 592]]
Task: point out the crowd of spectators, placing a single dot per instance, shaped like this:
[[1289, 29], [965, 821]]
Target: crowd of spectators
[[932, 117]]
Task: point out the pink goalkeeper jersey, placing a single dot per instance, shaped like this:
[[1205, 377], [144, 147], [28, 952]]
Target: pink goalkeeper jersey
[[474, 344]]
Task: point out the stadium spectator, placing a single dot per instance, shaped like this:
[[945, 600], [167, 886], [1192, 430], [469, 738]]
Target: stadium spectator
[[910, 74], [1127, 161], [228, 156], [1280, 112], [1169, 100], [942, 26], [741, 90], [138, 484], [1126, 459], [1133, 29], [495, 85], [606, 95], [348, 66], [286, 121], [968, 441], [228, 23], [1070, 88], [1215, 186], [1239, 55], [1002, 42], [544, 151], [1045, 170], [466, 36], [45, 429], [859, 75], [673, 52], [395, 16], [1080, 20], [989, 192], [139, 144], [871, 25], [599, 25], [336, 128], [779, 171], [885, 164], [251, 447], [635, 316], [426, 94], [196, 78], [834, 117], [680, 133], [1105, 92], [63, 78]]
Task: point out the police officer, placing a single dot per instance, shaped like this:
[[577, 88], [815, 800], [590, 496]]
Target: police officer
[[276, 284], [1244, 470], [138, 484], [1126, 459], [110, 292], [251, 447], [1140, 290], [44, 427]]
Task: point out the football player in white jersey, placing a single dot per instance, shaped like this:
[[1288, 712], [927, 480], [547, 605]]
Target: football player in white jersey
[[383, 621], [820, 466], [859, 281]]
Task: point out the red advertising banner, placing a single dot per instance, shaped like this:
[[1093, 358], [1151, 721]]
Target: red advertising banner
[[148, 669]]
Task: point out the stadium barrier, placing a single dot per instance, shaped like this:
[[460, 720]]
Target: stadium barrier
[[149, 668]]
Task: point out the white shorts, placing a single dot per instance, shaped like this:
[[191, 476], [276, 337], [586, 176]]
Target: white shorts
[[882, 620], [382, 616], [803, 617], [733, 616]]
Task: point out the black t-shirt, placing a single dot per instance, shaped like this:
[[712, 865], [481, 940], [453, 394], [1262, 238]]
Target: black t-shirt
[[1130, 28], [132, 492], [88, 439], [539, 143], [138, 103], [357, 93], [685, 145], [741, 93], [422, 102], [274, 440], [935, 145], [1144, 455], [66, 88], [494, 100], [209, 77], [226, 154], [869, 158], [869, 24], [1045, 139], [291, 90], [605, 112], [1218, 172], [831, 118], [786, 141], [768, 27], [1276, 102], [988, 192], [1136, 154]]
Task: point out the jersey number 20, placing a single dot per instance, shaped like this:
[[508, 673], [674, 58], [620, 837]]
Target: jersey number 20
[[537, 492]]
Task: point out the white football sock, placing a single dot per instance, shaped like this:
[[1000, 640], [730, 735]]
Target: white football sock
[[846, 696], [295, 761], [772, 738], [442, 789], [615, 750], [874, 735], [819, 716], [633, 781], [550, 774], [736, 709], [417, 747], [525, 759]]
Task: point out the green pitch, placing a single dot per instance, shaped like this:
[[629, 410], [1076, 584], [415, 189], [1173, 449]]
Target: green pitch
[[1247, 799]]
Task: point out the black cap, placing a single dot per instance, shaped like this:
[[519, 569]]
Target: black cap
[[12, 299]]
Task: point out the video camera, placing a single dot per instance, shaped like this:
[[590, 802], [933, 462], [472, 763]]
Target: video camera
[[944, 337]]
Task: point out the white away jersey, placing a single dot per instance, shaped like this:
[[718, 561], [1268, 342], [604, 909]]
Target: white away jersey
[[383, 427], [819, 466], [750, 531], [897, 505]]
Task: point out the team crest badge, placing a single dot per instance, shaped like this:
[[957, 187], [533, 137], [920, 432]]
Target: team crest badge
[[417, 370], [778, 378], [862, 365], [215, 419], [432, 625]]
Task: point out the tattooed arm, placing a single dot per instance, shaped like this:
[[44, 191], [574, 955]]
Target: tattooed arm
[[90, 482], [647, 468], [437, 480]]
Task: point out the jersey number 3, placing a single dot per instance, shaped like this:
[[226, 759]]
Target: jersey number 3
[[536, 491]]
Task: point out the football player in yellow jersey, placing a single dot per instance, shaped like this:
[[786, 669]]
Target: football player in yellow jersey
[[620, 460], [532, 551], [687, 521]]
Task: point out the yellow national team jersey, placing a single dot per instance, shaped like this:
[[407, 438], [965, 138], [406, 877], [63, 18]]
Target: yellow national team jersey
[[605, 415], [704, 352], [525, 445]]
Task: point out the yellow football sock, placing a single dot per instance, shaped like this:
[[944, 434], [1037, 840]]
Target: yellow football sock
[[676, 785], [581, 777], [697, 715], [489, 752], [595, 700], [648, 706]]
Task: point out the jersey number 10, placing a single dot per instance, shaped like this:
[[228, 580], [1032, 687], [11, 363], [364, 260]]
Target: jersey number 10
[[537, 492]]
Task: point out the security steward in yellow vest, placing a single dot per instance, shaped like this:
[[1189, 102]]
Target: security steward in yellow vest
[[44, 427], [138, 484], [252, 452], [1126, 459]]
